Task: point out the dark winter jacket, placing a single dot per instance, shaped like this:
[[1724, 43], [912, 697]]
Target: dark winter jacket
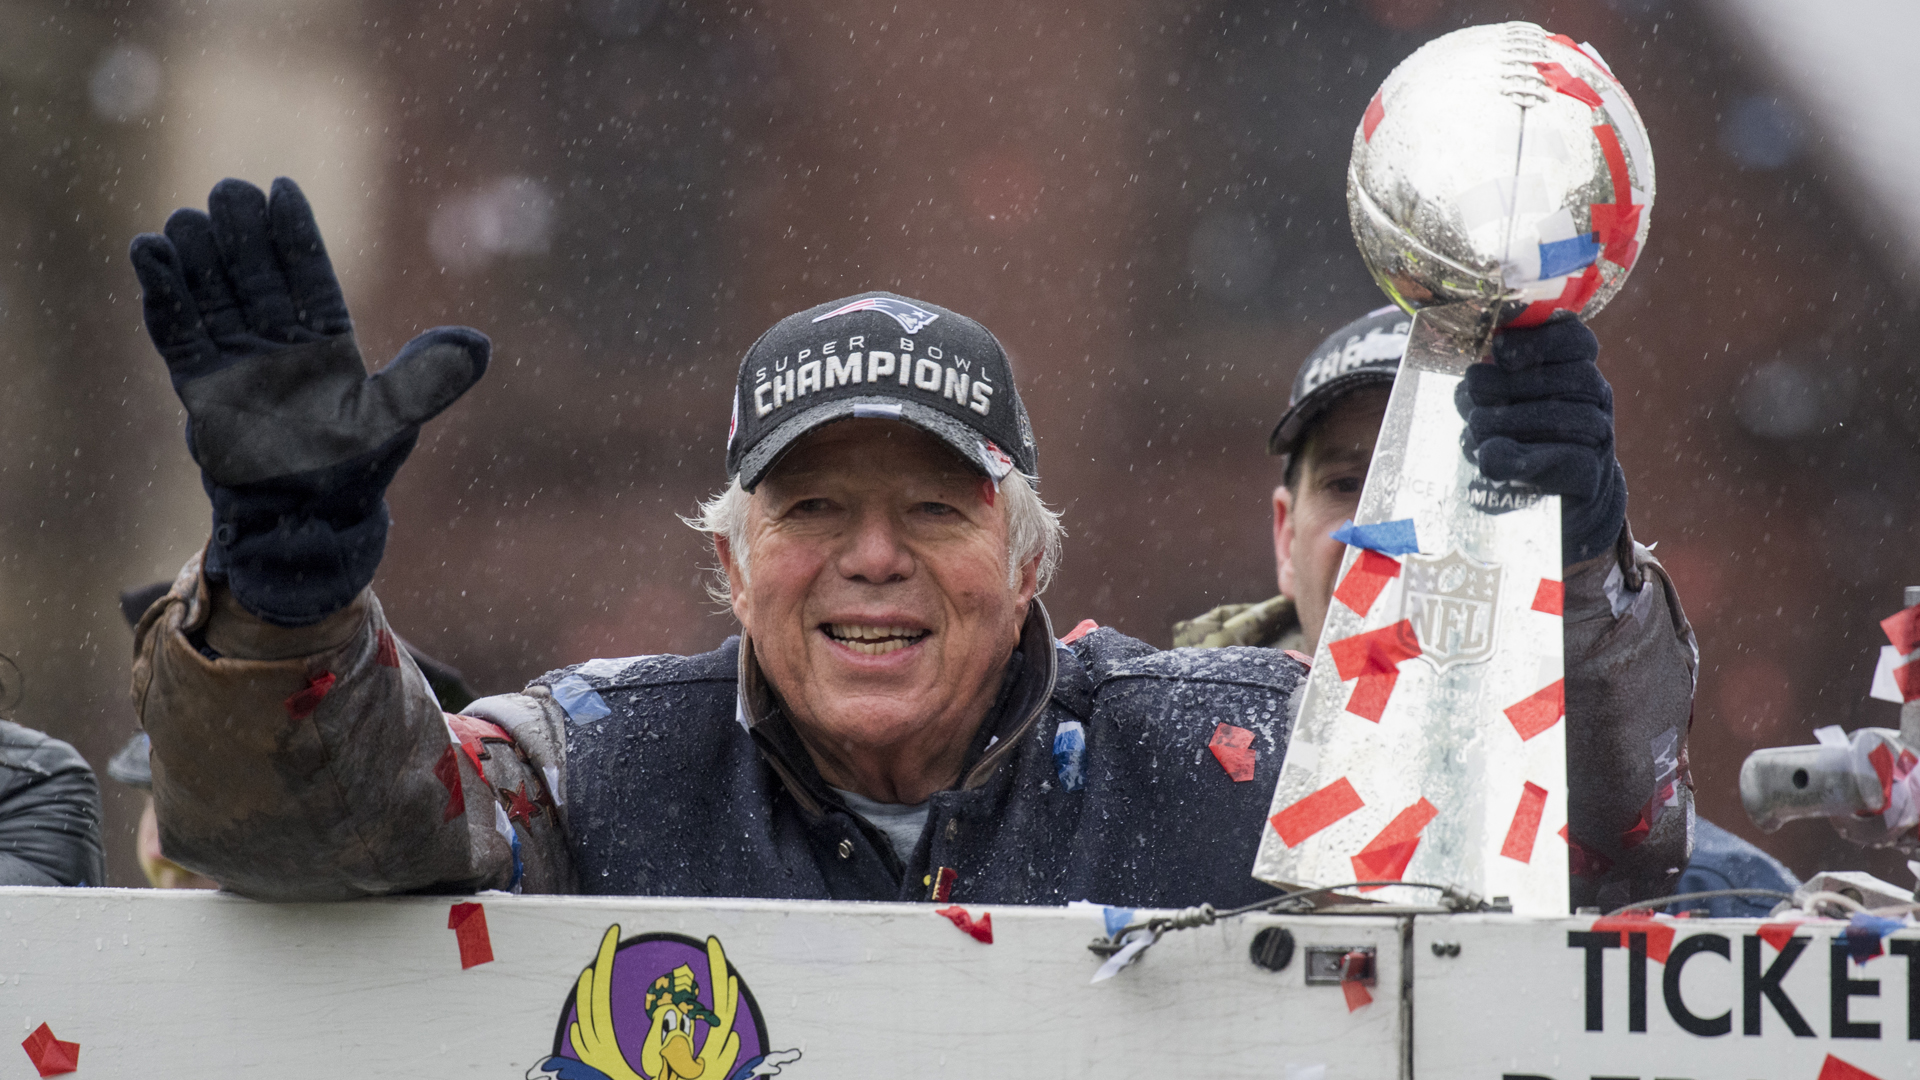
[[331, 772], [49, 812]]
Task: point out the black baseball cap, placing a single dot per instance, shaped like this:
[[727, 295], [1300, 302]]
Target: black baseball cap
[[1365, 352], [878, 356]]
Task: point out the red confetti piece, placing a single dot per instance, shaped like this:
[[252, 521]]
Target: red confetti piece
[[1617, 226], [519, 807], [1616, 163], [1385, 858], [1564, 40], [302, 703], [1316, 812], [1366, 580], [1659, 934], [981, 929], [1376, 652], [1080, 630], [469, 924], [1637, 835], [1777, 934], [1573, 297], [1539, 710], [447, 771], [1551, 597], [1881, 759], [1907, 678], [1526, 823], [49, 1055], [942, 885], [386, 653], [1353, 980], [472, 733], [1566, 82], [1835, 1069], [1371, 694], [1233, 748], [1374, 658], [1582, 862], [988, 492], [1903, 629], [1369, 120]]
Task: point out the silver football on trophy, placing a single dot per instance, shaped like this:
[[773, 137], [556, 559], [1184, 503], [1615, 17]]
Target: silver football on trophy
[[1506, 166]]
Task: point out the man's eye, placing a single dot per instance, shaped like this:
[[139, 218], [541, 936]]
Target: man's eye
[[811, 506], [1346, 485], [937, 509]]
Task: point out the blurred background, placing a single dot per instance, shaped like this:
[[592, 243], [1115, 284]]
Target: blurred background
[[1143, 198]]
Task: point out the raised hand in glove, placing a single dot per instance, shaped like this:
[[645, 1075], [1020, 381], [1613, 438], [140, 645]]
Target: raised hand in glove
[[296, 443], [1542, 414]]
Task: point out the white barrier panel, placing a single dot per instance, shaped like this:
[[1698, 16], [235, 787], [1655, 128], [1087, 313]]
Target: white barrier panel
[[181, 984], [1505, 998]]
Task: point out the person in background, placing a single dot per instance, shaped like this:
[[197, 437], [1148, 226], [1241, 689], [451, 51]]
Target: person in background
[[1557, 427], [49, 805]]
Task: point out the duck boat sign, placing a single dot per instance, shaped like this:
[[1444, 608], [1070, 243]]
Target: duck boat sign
[[106, 982]]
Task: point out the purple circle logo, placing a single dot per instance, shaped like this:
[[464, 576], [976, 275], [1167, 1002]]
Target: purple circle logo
[[660, 1007]]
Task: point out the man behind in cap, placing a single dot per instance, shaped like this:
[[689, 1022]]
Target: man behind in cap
[[895, 720], [1542, 415]]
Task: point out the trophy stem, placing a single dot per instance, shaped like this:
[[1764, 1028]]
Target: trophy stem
[[1432, 717]]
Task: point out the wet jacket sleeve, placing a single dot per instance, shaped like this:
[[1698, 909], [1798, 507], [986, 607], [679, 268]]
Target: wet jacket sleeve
[[1631, 666], [314, 763], [49, 812]]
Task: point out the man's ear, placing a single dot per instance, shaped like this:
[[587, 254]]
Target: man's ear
[[1283, 538], [737, 593]]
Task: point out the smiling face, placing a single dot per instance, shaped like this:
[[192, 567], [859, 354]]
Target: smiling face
[[1331, 471], [878, 605]]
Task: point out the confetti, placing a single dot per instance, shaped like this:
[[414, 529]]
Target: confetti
[[1316, 812], [447, 771], [1566, 82], [1659, 933], [981, 929], [1903, 629], [1233, 748], [1550, 597], [303, 702], [1776, 934], [1366, 580], [1526, 823], [1386, 856], [1539, 710], [1835, 1069], [386, 653], [469, 925], [1370, 119], [1387, 537], [1080, 630], [49, 1055]]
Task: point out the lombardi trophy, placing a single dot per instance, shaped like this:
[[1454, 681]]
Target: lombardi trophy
[[1500, 177]]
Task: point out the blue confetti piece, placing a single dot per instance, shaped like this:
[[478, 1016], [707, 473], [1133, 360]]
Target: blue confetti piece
[[1070, 755], [1563, 257], [1118, 919], [1387, 538], [582, 702], [1864, 933]]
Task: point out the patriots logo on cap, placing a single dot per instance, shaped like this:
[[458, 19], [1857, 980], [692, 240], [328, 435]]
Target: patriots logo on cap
[[911, 317]]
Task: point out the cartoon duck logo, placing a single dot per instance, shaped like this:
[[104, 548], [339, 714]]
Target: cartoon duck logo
[[679, 1003]]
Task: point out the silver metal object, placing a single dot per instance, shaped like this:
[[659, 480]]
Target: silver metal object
[[1500, 176]]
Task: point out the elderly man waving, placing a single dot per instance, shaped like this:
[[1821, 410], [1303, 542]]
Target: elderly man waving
[[895, 721]]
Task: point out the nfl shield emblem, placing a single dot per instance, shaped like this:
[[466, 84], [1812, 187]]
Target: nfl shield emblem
[[1450, 601]]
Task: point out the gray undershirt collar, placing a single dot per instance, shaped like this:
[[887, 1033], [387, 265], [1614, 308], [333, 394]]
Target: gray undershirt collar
[[901, 824]]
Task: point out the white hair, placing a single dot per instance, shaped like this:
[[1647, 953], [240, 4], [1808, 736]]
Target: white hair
[[1033, 528]]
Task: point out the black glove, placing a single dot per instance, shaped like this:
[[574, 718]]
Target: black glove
[[1542, 414], [296, 443]]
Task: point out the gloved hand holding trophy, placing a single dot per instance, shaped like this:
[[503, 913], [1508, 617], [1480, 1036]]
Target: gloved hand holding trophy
[[1500, 178]]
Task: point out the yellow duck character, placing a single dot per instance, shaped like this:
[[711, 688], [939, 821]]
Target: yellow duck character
[[673, 1004]]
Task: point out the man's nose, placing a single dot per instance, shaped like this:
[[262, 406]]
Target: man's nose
[[874, 551]]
